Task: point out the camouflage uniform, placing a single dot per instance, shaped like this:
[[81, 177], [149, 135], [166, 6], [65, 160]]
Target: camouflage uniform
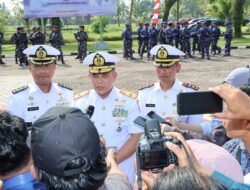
[[127, 42], [215, 37], [55, 38], [153, 37], [145, 43], [139, 30], [170, 34], [1, 42], [82, 38], [39, 38], [32, 36], [194, 35], [185, 40], [228, 35], [21, 40], [162, 33], [177, 32], [205, 37]]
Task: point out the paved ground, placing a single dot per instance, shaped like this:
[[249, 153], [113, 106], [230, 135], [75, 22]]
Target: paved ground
[[132, 74]]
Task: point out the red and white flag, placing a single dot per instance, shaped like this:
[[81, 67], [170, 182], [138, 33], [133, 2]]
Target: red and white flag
[[156, 11]]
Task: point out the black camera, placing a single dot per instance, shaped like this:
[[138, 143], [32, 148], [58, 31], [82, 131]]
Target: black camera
[[152, 152]]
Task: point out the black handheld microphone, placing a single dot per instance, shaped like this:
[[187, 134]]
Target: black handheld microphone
[[90, 111]]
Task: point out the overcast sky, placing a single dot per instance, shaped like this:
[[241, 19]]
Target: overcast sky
[[8, 3]]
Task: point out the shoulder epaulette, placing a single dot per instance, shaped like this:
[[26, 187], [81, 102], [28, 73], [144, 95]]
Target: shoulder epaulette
[[146, 86], [188, 85], [81, 94], [64, 86], [128, 93], [20, 89]]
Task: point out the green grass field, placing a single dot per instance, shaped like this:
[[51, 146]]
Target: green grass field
[[112, 36]]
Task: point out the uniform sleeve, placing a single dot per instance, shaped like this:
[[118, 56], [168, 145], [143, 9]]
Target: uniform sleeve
[[141, 103], [15, 106], [228, 182], [133, 114]]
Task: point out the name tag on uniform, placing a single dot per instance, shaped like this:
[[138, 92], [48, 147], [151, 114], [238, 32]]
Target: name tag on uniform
[[33, 108], [150, 105]]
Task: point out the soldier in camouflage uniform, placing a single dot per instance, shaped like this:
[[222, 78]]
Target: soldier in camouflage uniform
[[153, 37], [145, 37], [1, 42], [32, 36], [205, 38], [215, 38], [82, 38], [139, 30], [55, 38], [21, 40], [39, 37], [127, 42], [162, 33], [170, 34], [194, 34], [228, 35], [177, 32], [185, 40]]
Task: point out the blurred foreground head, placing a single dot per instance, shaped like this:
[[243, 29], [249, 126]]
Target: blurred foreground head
[[66, 150]]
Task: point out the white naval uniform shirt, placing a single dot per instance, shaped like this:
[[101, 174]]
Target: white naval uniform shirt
[[113, 118], [31, 103], [164, 102]]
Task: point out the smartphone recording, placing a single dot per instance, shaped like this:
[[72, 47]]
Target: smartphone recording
[[191, 103]]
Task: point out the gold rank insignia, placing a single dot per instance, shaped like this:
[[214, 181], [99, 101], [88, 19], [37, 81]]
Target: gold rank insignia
[[41, 53], [99, 60], [162, 53]]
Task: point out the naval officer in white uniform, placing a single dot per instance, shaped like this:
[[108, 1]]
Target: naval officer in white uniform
[[31, 101], [114, 112], [161, 97]]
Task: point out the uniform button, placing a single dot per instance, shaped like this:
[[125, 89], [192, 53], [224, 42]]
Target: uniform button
[[103, 107], [163, 113], [103, 124], [165, 96], [34, 117], [47, 101]]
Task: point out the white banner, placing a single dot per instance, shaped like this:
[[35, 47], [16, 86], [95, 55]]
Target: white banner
[[68, 8]]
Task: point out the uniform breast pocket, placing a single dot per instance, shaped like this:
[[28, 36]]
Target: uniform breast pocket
[[121, 129]]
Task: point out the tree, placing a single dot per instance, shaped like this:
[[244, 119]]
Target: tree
[[122, 11], [168, 6], [238, 10], [221, 9], [3, 16]]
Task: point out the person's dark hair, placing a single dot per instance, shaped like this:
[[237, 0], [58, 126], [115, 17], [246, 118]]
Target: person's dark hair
[[92, 179], [185, 178], [14, 153], [245, 88]]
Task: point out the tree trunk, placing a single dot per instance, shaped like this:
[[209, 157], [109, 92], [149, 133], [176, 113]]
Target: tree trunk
[[168, 6], [118, 20], [238, 10], [131, 11]]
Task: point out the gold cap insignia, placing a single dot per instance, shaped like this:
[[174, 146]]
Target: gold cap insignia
[[99, 60], [41, 53], [162, 53]]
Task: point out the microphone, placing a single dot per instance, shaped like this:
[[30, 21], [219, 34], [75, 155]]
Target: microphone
[[90, 111]]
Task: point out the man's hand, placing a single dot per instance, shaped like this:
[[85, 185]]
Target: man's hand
[[238, 102], [182, 156], [111, 163]]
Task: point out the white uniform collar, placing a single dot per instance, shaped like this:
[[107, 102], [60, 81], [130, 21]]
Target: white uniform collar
[[176, 86], [34, 88], [112, 94]]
